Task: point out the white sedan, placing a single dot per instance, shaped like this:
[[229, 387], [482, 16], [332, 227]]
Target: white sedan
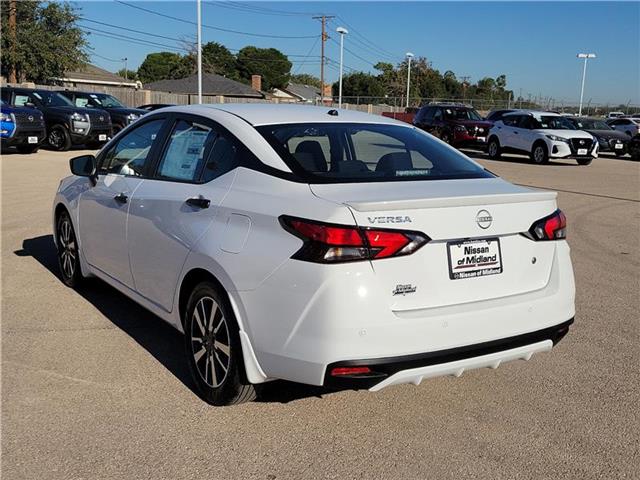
[[320, 246]]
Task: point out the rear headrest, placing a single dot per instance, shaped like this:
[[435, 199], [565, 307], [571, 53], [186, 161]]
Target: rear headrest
[[392, 162], [310, 156]]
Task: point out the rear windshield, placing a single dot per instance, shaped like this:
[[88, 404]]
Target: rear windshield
[[352, 152], [461, 114]]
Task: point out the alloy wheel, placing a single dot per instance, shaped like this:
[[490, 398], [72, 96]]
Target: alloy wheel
[[55, 139], [493, 149], [67, 249], [538, 154], [210, 342]]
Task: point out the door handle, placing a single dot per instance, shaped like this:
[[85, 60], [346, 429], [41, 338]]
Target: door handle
[[198, 202], [515, 133], [121, 198]]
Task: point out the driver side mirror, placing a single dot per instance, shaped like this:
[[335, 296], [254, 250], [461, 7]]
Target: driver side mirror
[[84, 166]]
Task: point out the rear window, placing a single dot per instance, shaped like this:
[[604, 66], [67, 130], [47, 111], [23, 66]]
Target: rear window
[[348, 152]]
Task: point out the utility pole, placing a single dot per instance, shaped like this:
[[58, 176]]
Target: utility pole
[[323, 19], [126, 73], [465, 83], [199, 40], [12, 35]]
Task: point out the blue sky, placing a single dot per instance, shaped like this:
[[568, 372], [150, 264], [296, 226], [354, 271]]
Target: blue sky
[[533, 43]]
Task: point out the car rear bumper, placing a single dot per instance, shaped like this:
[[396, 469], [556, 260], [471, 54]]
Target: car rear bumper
[[414, 368], [344, 315]]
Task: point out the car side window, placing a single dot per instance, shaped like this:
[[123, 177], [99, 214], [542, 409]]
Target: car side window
[[511, 120], [129, 155], [437, 115], [428, 114], [222, 158], [186, 150], [526, 123], [21, 100]]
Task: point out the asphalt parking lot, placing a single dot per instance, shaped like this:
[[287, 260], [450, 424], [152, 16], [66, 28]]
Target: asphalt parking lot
[[93, 386]]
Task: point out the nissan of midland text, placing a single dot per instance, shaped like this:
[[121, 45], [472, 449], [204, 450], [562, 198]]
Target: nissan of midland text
[[321, 246]]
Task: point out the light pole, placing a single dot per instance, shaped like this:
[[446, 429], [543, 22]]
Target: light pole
[[586, 57], [342, 31], [126, 74], [409, 57], [199, 52]]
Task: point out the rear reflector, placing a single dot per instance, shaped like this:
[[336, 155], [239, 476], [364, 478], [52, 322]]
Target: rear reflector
[[328, 243], [552, 227], [340, 371]]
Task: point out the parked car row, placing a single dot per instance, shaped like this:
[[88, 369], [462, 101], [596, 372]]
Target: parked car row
[[61, 119], [539, 134]]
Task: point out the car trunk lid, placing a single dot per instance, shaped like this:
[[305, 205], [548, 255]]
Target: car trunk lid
[[451, 212]]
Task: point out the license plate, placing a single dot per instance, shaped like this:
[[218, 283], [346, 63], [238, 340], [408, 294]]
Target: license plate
[[474, 258], [618, 146], [32, 139], [102, 137], [582, 151], [482, 139]]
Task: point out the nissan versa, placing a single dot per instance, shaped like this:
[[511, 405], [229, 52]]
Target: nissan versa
[[320, 246]]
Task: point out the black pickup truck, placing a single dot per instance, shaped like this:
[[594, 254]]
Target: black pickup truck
[[121, 115], [66, 124]]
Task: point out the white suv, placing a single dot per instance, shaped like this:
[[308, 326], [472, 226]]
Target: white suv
[[542, 135], [630, 126]]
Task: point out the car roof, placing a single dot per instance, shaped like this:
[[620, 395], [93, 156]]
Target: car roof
[[533, 113], [268, 114]]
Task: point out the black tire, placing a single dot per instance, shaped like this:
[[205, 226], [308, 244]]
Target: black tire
[[212, 343], [493, 148], [68, 252], [539, 153], [58, 138], [584, 161], [27, 149]]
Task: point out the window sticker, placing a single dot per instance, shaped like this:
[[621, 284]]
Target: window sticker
[[184, 154]]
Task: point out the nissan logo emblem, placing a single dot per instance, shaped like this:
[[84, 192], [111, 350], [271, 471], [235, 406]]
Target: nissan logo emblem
[[30, 118], [484, 219], [101, 118], [581, 142]]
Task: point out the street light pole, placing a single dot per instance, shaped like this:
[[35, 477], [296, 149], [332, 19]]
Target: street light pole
[[126, 73], [199, 52], [409, 57], [342, 31], [586, 57]]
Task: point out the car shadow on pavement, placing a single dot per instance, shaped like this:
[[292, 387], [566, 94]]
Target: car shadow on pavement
[[157, 337]]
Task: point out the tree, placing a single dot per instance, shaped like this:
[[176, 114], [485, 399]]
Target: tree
[[47, 42], [305, 79], [270, 63], [159, 66], [216, 58], [360, 84], [128, 74]]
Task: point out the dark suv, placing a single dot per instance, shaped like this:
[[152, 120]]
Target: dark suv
[[66, 124], [121, 115], [456, 124], [22, 128]]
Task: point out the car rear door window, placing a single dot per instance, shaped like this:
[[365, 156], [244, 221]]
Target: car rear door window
[[222, 158], [130, 155], [186, 150]]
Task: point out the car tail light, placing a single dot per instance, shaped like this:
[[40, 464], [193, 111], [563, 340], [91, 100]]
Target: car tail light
[[342, 371], [552, 227], [329, 243]]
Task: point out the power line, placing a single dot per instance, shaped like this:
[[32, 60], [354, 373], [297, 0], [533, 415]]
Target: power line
[[365, 39], [94, 29], [309, 53], [263, 35], [243, 7], [357, 43]]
